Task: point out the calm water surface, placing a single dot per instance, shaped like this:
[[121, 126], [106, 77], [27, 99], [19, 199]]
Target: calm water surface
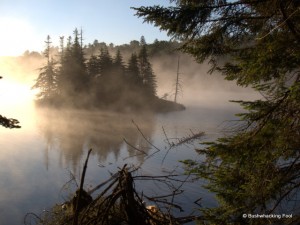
[[36, 160]]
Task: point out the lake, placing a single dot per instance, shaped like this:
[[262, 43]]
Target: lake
[[37, 161]]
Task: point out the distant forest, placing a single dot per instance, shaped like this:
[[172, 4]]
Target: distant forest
[[95, 75]]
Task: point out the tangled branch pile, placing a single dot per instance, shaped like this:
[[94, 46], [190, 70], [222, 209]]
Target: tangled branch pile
[[118, 203]]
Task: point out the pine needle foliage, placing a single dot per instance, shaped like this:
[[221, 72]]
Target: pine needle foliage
[[255, 170]]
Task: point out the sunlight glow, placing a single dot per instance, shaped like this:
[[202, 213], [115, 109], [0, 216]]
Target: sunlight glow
[[16, 37], [13, 93], [17, 101]]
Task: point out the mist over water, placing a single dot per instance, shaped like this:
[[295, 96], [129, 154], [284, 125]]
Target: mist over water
[[35, 160]]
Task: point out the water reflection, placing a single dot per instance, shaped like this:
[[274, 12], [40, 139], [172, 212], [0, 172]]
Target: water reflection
[[72, 132]]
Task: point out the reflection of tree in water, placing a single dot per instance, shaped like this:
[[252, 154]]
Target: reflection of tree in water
[[73, 132]]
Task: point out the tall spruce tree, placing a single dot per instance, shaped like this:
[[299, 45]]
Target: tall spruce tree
[[104, 82], [133, 73], [65, 73], [93, 67], [118, 64], [73, 79], [118, 77], [80, 78], [46, 81], [146, 72], [256, 43], [133, 83], [105, 62]]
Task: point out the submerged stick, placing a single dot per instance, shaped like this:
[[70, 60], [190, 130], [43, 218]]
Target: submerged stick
[[75, 220], [149, 142]]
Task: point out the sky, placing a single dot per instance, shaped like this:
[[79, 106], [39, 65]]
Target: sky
[[25, 24]]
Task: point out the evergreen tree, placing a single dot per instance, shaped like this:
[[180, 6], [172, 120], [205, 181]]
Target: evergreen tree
[[133, 83], [105, 62], [64, 75], [116, 78], [46, 81], [93, 67], [69, 46], [61, 46], [73, 78], [146, 72], [80, 78], [104, 82], [118, 70], [257, 43], [118, 63], [133, 73]]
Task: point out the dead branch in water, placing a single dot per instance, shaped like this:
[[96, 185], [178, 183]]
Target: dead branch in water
[[80, 193], [180, 141], [146, 139], [137, 149], [188, 139], [171, 144]]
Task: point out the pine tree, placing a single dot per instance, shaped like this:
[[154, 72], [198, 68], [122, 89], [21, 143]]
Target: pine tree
[[257, 43], [104, 80], [93, 67], [80, 78], [73, 79], [118, 64], [133, 73], [146, 72], [46, 81], [61, 46], [105, 62], [117, 78], [64, 74], [133, 83]]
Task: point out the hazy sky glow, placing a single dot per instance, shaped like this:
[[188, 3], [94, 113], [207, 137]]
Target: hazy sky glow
[[24, 24]]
